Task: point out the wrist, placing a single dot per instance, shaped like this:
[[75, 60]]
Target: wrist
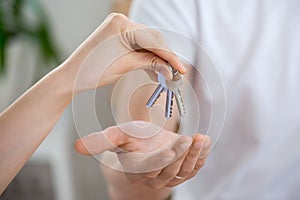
[[119, 187], [59, 80], [138, 191]]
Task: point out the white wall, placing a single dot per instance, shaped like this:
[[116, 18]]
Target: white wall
[[74, 20]]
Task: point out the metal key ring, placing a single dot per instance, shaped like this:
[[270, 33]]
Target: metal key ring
[[174, 71]]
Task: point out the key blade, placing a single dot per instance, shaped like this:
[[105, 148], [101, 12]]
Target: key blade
[[180, 103], [168, 112], [159, 89]]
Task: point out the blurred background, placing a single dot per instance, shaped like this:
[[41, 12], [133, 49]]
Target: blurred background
[[35, 36]]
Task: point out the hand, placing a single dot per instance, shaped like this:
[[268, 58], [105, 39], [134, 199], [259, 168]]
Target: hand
[[151, 159], [116, 47]]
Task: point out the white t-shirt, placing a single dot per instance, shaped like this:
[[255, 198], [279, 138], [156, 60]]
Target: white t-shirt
[[255, 46]]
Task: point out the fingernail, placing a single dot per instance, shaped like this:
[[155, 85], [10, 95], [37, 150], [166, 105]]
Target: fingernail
[[197, 145], [206, 144], [183, 69], [183, 146]]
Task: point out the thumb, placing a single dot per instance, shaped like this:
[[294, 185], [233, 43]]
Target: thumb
[[98, 142], [151, 62]]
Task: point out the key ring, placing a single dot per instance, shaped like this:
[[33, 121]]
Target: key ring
[[174, 71]]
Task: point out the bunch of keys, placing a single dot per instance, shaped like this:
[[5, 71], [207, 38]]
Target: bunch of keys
[[173, 88]]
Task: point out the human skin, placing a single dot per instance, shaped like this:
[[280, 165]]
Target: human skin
[[154, 184], [27, 122]]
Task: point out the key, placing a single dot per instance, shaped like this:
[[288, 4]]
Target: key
[[170, 95], [175, 86], [159, 89], [179, 101]]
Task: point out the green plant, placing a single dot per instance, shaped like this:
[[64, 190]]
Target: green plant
[[15, 23]]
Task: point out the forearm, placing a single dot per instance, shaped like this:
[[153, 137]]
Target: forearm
[[26, 123]]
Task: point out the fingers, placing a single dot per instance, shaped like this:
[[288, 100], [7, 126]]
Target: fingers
[[166, 175], [192, 156], [152, 62], [192, 164], [144, 162], [176, 181], [148, 169], [99, 142], [153, 41], [137, 162], [206, 148], [138, 35], [145, 60], [142, 177], [155, 167], [89, 145], [172, 169], [187, 166], [134, 46]]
